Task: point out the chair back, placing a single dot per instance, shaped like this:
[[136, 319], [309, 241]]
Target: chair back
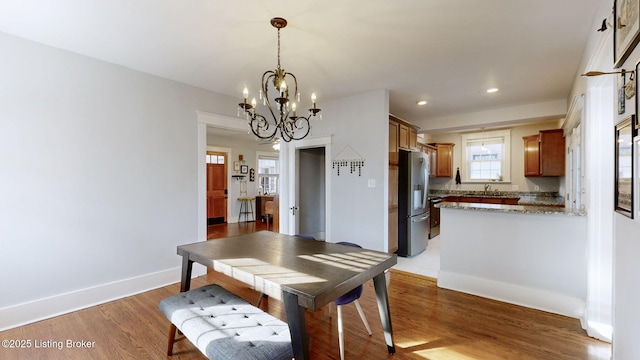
[[355, 293], [268, 208]]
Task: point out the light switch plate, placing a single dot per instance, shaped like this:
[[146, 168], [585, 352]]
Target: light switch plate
[[372, 183]]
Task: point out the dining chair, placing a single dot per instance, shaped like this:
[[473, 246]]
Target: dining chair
[[350, 297], [268, 211]]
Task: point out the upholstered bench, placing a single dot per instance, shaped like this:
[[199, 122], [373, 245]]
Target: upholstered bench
[[224, 326]]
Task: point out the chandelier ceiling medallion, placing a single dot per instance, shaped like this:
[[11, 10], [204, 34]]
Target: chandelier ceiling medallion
[[274, 93]]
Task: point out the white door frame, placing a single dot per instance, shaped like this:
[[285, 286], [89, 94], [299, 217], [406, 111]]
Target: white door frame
[[288, 173]]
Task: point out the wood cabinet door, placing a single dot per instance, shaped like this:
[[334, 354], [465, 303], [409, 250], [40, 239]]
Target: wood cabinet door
[[531, 155], [403, 139], [393, 142], [413, 139], [432, 153], [552, 152], [444, 163]]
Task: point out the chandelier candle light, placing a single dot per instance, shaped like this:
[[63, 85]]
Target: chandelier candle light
[[285, 122]]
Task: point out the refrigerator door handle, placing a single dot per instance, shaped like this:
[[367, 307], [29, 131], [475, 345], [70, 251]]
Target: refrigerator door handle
[[423, 218], [425, 179]]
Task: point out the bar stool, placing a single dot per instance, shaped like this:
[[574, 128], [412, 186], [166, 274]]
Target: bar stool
[[246, 208]]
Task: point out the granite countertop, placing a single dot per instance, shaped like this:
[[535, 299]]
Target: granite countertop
[[524, 209], [525, 198]]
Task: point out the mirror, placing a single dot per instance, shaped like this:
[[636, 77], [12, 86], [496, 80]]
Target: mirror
[[624, 167]]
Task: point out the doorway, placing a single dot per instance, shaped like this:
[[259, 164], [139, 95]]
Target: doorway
[[311, 192], [216, 187]]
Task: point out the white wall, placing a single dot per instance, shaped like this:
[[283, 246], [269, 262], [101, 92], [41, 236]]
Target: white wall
[[609, 232], [98, 179], [534, 260], [626, 267], [357, 212]]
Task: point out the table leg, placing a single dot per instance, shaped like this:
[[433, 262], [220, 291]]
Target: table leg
[[187, 266], [380, 284], [297, 325]]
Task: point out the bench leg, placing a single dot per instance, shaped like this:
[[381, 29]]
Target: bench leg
[[172, 339]]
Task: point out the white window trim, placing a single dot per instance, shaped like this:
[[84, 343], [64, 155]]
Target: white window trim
[[506, 163], [267, 154]]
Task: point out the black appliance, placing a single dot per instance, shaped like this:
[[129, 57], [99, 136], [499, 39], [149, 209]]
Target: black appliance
[[434, 218]]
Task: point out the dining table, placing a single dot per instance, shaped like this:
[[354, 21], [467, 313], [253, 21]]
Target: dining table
[[302, 273]]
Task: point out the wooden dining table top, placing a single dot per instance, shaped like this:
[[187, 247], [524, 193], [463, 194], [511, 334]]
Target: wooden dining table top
[[317, 272]]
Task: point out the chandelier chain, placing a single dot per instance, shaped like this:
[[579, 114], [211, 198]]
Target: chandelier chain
[[278, 48]]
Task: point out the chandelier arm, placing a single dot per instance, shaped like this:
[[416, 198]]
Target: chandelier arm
[[266, 77], [295, 128], [260, 127]]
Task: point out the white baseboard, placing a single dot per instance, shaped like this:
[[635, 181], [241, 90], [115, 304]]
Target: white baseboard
[[513, 294], [29, 312]]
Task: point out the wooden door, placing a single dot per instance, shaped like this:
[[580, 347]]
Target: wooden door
[[217, 188]]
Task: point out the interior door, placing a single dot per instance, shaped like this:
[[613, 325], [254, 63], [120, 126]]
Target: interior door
[[291, 185], [216, 188], [311, 193]]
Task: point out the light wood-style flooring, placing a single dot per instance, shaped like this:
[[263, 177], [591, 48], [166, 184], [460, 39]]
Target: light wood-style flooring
[[428, 323]]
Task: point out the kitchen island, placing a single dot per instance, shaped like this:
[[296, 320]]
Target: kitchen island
[[530, 255]]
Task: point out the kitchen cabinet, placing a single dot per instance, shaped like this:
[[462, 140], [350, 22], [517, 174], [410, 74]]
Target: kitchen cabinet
[[432, 154], [393, 209], [444, 159], [394, 129], [544, 153], [407, 134]]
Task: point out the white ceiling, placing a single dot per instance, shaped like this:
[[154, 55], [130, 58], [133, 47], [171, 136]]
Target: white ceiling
[[445, 51]]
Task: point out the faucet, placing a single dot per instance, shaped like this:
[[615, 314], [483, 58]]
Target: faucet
[[487, 187]]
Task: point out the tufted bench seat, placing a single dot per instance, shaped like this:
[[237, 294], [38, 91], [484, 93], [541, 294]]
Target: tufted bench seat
[[224, 326]]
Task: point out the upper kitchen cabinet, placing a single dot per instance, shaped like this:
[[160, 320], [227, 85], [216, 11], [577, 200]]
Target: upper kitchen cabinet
[[432, 154], [394, 129], [544, 153], [406, 137], [444, 160]]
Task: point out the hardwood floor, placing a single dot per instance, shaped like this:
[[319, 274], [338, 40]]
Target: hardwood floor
[[428, 323]]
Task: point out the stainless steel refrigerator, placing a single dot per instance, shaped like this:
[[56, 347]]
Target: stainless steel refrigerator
[[413, 205]]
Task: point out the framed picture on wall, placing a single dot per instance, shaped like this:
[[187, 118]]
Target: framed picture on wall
[[244, 169], [624, 167], [626, 29]]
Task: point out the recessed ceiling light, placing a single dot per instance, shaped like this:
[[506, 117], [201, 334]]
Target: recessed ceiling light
[[422, 102], [492, 90]]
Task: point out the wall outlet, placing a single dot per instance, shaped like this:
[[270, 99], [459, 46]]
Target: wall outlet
[[372, 183], [536, 188]]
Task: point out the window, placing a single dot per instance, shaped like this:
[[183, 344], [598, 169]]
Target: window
[[215, 159], [486, 157], [268, 173]]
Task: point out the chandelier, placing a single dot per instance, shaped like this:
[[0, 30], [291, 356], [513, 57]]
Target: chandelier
[[274, 93]]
